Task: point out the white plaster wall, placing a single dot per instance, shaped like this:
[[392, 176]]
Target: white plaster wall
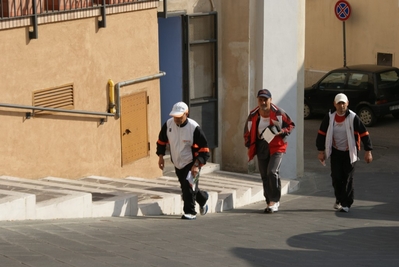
[[282, 73]]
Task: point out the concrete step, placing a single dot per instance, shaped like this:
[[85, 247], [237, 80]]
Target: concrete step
[[50, 202], [96, 196]]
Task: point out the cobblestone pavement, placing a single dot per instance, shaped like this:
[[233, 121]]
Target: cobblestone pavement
[[305, 232]]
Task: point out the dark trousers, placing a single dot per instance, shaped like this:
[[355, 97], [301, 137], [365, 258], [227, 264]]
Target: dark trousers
[[190, 196], [342, 177], [269, 168]]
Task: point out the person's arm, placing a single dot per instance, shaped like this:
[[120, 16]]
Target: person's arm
[[365, 137], [321, 139], [321, 134], [201, 150], [161, 146], [247, 133], [288, 125]]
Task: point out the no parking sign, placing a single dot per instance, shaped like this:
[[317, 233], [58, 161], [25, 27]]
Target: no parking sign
[[342, 10]]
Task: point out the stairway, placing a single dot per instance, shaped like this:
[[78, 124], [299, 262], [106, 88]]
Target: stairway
[[95, 196]]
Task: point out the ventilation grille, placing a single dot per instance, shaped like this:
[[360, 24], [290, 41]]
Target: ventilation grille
[[57, 97]]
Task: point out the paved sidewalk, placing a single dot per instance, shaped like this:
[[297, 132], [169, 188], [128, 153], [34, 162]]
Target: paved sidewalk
[[305, 232]]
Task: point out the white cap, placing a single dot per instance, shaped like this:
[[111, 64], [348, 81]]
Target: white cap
[[179, 109], [340, 98]]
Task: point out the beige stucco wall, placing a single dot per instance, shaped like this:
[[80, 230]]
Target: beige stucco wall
[[189, 6], [80, 53], [235, 66], [370, 29], [243, 70]]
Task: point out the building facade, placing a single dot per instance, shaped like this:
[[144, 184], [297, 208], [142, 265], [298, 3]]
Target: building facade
[[260, 44], [368, 32], [107, 62], [71, 60]]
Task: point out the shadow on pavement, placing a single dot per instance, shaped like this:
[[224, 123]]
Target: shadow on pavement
[[346, 247]]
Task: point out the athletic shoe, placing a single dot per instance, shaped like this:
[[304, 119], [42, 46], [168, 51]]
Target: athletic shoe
[[272, 209], [268, 210], [275, 206], [344, 209], [204, 209], [188, 217], [337, 206]]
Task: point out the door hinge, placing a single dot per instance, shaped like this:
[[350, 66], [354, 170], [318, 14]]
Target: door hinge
[[149, 146], [148, 100]]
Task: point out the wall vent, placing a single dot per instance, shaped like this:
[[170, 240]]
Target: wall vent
[[58, 97], [384, 59]]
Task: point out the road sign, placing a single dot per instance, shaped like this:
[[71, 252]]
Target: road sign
[[342, 10]]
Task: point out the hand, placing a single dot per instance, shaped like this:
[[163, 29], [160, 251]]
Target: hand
[[194, 171], [161, 162], [322, 157], [368, 157]]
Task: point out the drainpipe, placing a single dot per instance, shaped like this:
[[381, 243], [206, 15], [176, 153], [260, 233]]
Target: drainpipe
[[119, 85], [111, 96]]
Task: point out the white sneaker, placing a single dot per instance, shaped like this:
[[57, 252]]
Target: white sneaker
[[344, 209], [337, 206], [273, 208], [188, 217], [204, 209]]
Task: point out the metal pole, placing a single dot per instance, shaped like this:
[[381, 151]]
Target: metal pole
[[343, 30], [119, 85]]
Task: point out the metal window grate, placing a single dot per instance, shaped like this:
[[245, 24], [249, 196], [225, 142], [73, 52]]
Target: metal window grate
[[58, 97]]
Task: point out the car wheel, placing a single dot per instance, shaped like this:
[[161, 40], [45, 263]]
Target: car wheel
[[367, 116], [306, 111], [396, 115]]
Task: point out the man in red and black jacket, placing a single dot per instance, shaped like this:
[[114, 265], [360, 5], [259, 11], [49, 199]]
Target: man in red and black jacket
[[268, 120]]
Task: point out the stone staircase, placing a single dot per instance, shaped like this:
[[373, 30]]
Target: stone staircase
[[95, 196]]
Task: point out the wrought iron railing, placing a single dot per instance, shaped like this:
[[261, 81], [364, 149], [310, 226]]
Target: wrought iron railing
[[32, 10], [21, 8]]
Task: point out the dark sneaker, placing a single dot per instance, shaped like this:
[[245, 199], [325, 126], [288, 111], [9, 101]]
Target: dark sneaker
[[204, 209], [268, 210], [188, 217]]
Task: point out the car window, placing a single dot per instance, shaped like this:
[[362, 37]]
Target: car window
[[358, 81], [333, 81], [387, 79]]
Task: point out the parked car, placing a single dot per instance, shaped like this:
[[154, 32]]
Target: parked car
[[372, 90]]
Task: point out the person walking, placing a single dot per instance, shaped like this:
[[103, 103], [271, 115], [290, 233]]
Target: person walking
[[189, 152], [339, 138], [265, 132]]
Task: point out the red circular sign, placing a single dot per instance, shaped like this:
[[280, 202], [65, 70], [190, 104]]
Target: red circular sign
[[342, 10]]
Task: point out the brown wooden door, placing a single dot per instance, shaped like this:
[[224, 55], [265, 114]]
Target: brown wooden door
[[134, 127]]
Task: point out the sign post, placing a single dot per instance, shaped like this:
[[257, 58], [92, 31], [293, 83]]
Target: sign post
[[343, 11]]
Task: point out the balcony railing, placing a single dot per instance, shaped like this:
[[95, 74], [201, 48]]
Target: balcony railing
[[21, 8], [20, 13]]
